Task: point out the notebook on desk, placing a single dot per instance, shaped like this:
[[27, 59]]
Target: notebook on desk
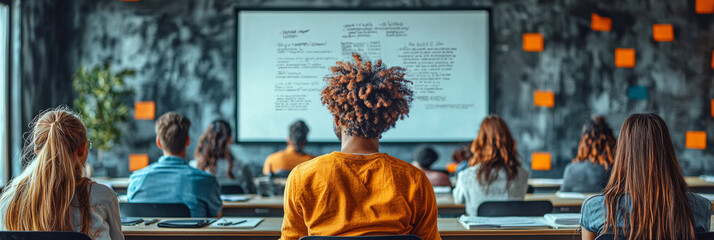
[[475, 223], [234, 198], [236, 223], [562, 220]]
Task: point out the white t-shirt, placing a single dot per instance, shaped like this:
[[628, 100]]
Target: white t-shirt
[[104, 214]]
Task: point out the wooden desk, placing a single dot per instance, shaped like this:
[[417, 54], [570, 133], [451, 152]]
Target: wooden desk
[[544, 185], [449, 228]]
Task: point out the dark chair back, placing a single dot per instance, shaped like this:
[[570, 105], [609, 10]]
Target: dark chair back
[[9, 235], [514, 208], [530, 189], [700, 236], [232, 189], [154, 210], [389, 237]]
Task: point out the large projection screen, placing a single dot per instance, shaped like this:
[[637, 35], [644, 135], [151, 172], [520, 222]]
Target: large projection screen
[[283, 56]]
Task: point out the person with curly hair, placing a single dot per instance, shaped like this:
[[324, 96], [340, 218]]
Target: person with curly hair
[[494, 173], [282, 162], [213, 155], [590, 170], [359, 191]]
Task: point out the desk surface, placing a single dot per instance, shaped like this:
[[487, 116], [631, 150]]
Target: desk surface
[[272, 226]]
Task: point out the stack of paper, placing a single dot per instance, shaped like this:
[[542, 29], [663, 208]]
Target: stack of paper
[[557, 220], [708, 178], [234, 198], [473, 223], [574, 195]]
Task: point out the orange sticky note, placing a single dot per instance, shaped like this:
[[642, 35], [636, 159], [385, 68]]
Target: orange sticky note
[[138, 161], [712, 107], [713, 59], [543, 98], [704, 6], [662, 32], [144, 110], [451, 167], [697, 139], [598, 23], [540, 161], [625, 57], [532, 42]]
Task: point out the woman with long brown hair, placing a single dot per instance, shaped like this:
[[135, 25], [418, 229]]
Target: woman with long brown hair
[[646, 197], [213, 155], [52, 194], [494, 172], [590, 169]]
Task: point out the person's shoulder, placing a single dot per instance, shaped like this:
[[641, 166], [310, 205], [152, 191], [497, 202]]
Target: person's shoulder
[[201, 175], [594, 202], [318, 163], [699, 203], [277, 154], [101, 194]]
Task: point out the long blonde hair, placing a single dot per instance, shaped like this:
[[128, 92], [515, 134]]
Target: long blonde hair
[[39, 198]]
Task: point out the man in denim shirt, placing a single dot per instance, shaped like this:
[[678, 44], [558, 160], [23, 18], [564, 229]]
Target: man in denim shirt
[[171, 179]]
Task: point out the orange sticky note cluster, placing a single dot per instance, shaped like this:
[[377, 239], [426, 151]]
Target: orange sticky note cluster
[[704, 6], [532, 42], [144, 110], [598, 23], [625, 57], [540, 161], [138, 161], [696, 139], [543, 98], [663, 32]]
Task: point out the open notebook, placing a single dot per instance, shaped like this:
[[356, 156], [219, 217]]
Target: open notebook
[[231, 222], [474, 223]]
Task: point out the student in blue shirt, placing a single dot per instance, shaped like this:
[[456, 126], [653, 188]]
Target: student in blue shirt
[[171, 179]]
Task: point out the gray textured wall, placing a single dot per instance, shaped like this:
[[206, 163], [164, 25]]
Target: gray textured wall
[[184, 54]]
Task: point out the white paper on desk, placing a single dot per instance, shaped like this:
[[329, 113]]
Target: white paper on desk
[[472, 223], [547, 181], [234, 198], [249, 223], [708, 178], [574, 195], [442, 189], [562, 220]]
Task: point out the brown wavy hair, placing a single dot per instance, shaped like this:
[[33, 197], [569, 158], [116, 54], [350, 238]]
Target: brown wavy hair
[[367, 99], [214, 145], [647, 172], [40, 198], [494, 149], [597, 144]]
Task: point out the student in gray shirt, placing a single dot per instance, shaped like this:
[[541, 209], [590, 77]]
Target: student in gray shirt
[[494, 173], [590, 170], [647, 196]]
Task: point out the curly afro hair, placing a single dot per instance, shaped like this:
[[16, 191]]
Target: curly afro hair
[[367, 98]]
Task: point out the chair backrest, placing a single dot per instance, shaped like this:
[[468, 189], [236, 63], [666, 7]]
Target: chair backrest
[[231, 189], [154, 210], [9, 235], [700, 236], [388, 237], [514, 208]]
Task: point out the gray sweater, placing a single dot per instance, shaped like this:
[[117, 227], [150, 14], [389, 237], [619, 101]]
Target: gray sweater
[[469, 191], [584, 177]]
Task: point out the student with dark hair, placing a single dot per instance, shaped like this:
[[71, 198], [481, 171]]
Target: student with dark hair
[[590, 170], [424, 157], [171, 179], [646, 197], [213, 155], [494, 172], [287, 159], [359, 191]]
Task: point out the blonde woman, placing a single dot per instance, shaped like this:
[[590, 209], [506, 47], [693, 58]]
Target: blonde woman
[[51, 194]]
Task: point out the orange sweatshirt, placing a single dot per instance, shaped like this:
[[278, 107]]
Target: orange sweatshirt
[[342, 194], [284, 160]]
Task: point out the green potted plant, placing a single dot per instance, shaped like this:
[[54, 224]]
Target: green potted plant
[[101, 102]]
